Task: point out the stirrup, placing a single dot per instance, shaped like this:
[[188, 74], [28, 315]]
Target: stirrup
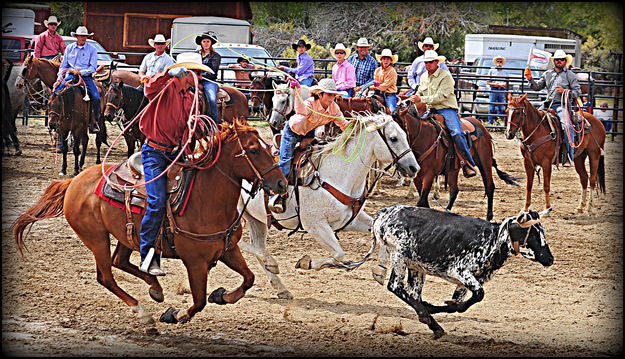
[[468, 172]]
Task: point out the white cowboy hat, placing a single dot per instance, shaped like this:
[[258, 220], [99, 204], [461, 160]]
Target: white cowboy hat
[[192, 61], [340, 46], [428, 41], [503, 59], [431, 55], [362, 42], [52, 19], [387, 53], [159, 38], [326, 85], [81, 31], [559, 54]]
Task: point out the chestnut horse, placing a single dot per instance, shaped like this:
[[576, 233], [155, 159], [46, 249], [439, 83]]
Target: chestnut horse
[[46, 71], [234, 107], [429, 144], [538, 147], [201, 234]]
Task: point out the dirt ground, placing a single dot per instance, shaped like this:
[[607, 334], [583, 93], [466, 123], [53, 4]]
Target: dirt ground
[[53, 306]]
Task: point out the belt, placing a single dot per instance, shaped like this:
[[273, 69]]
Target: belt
[[158, 146]]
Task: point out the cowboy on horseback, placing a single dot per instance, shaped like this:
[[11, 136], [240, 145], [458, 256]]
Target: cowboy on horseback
[[156, 61], [81, 59], [436, 89], [164, 125], [557, 81], [211, 59], [49, 43]]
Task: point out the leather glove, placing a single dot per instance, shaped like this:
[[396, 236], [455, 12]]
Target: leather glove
[[527, 73], [293, 83], [178, 72]]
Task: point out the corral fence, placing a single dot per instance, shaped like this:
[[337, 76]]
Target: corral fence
[[603, 88]]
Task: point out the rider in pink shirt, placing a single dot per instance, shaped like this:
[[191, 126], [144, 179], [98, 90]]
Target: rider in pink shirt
[[49, 43], [343, 72]]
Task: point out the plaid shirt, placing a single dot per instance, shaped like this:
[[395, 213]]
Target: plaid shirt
[[364, 68]]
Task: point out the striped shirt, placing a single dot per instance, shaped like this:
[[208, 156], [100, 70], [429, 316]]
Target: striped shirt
[[364, 68]]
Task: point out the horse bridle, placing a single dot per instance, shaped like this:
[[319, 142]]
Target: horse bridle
[[516, 125], [396, 158], [255, 96], [282, 111]]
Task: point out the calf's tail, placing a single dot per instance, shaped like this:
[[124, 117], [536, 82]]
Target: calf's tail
[[358, 263]]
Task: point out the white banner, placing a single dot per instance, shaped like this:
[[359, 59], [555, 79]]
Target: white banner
[[538, 59]]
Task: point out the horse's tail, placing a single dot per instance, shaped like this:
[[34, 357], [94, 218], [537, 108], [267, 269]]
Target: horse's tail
[[601, 173], [504, 176], [50, 205]]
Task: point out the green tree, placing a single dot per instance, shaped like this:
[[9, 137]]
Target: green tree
[[70, 14]]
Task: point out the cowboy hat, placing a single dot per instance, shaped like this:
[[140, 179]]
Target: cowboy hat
[[192, 61], [387, 53], [207, 35], [427, 41], [362, 42], [431, 55], [326, 85], [503, 59], [299, 43], [559, 54], [51, 20], [159, 38], [341, 47], [81, 31]]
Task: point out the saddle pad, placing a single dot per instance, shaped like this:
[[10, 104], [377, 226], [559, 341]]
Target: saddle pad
[[115, 197]]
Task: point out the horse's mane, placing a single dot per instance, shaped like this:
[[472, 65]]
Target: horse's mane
[[229, 131], [50, 62]]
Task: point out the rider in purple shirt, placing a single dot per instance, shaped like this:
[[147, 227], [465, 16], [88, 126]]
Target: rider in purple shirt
[[305, 66]]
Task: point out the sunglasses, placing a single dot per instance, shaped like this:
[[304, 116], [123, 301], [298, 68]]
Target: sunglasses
[[499, 61], [159, 43], [52, 24], [559, 59], [339, 52], [429, 46]]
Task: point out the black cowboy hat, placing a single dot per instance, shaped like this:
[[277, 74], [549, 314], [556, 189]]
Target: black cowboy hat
[[207, 35], [301, 42]]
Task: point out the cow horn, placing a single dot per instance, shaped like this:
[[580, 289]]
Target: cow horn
[[545, 212], [528, 223]]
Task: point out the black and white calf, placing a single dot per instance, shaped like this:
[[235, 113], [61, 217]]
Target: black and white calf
[[462, 250]]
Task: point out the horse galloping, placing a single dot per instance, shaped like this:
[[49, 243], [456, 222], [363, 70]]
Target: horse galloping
[[539, 147], [202, 232]]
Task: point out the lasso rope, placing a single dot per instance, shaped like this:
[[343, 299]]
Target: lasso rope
[[564, 99]]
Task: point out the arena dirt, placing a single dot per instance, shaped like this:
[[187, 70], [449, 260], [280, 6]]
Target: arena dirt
[[53, 306]]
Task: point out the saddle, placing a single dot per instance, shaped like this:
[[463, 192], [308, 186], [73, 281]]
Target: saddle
[[559, 136], [303, 170]]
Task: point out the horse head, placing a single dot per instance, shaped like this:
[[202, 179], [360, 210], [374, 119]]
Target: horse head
[[516, 114], [56, 110], [256, 96], [27, 73], [114, 99], [283, 104], [251, 157]]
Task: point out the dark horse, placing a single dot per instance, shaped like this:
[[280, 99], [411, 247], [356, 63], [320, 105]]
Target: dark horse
[[123, 102], [9, 130], [261, 92], [68, 114], [430, 145], [539, 147], [200, 237]]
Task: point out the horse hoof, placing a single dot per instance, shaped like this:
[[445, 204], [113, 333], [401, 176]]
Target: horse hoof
[[272, 268], [169, 316], [156, 295], [62, 173], [285, 295], [217, 296], [438, 333], [304, 262], [379, 274]]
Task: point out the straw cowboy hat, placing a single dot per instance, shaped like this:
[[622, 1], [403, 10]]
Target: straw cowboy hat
[[559, 54], [431, 55], [503, 59], [341, 47], [427, 41], [299, 43], [362, 42], [81, 31], [207, 35], [387, 53], [192, 61], [328, 86], [51, 20], [159, 38]]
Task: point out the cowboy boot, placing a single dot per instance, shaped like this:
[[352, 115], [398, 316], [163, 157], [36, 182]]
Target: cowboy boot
[[95, 116], [467, 168]]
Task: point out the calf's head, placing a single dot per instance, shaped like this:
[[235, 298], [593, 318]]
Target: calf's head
[[528, 237]]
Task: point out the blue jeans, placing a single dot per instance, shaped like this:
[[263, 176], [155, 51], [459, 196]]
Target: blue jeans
[[154, 163], [452, 121], [349, 92], [307, 81], [561, 111], [210, 90], [498, 94], [48, 57], [92, 89], [390, 100], [287, 147]]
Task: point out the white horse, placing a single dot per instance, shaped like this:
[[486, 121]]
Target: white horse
[[323, 214], [284, 104]]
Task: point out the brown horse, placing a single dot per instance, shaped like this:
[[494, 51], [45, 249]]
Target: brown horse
[[234, 105], [200, 237], [46, 71], [539, 147], [430, 145], [261, 92], [370, 104]]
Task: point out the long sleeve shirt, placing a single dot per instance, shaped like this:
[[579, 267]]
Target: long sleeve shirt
[[344, 75], [417, 69], [364, 68], [387, 77], [82, 58], [304, 120], [437, 90], [212, 60], [165, 120], [551, 79], [152, 63], [305, 67], [48, 44]]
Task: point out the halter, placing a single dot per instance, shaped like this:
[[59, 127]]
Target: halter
[[396, 158], [281, 112], [517, 126]]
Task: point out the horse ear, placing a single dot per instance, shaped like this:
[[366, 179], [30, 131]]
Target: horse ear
[[273, 83], [121, 83], [522, 97], [510, 97]]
